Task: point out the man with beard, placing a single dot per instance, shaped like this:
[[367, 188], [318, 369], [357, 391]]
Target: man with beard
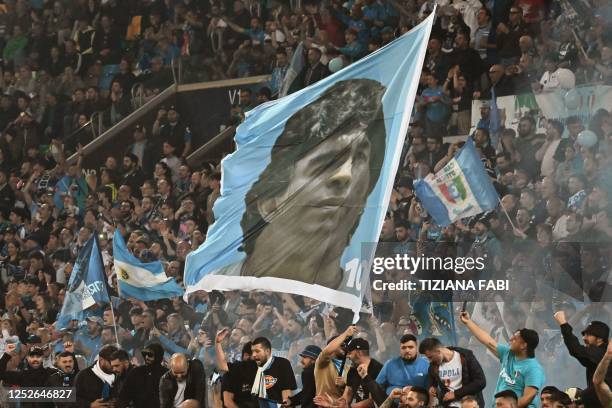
[[120, 363], [94, 385], [409, 369], [595, 337], [64, 375], [305, 397], [35, 375], [140, 388], [524, 148], [260, 377], [455, 371], [409, 397], [302, 211], [521, 374], [358, 351], [330, 367], [66, 371], [133, 175], [185, 382]]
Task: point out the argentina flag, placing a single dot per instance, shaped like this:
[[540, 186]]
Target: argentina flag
[[141, 280], [308, 186], [87, 285], [459, 190]]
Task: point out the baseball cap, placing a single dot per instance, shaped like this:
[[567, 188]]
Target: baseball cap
[[531, 338], [33, 339], [95, 319], [311, 351], [36, 351], [597, 329], [358, 344]]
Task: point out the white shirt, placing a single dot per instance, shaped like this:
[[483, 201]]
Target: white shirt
[[179, 397], [451, 375], [561, 78]]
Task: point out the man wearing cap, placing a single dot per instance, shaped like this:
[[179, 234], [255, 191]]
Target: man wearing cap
[[88, 341], [595, 337], [520, 372], [35, 374], [330, 368], [305, 397], [358, 351]]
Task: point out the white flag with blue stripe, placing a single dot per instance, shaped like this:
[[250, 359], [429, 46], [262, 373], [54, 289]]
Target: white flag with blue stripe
[[460, 189], [141, 280]]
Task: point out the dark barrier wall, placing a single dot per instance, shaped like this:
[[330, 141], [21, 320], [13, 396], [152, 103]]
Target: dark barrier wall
[[202, 107]]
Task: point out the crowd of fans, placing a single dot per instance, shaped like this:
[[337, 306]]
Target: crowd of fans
[[65, 60]]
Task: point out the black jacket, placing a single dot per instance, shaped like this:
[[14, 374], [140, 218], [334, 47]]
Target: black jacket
[[195, 388], [589, 357], [24, 378], [61, 379], [472, 377], [304, 398], [89, 388], [141, 386]]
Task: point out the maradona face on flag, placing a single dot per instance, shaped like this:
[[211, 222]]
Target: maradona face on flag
[[310, 182], [303, 209]]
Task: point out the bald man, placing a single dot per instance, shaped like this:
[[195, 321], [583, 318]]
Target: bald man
[[184, 385]]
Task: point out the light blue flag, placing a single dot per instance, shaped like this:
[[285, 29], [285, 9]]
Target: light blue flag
[[141, 280], [460, 189], [87, 285], [298, 62], [310, 182]]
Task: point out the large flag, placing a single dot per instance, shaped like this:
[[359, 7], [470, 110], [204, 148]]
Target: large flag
[[310, 182], [141, 280], [460, 189], [87, 284]]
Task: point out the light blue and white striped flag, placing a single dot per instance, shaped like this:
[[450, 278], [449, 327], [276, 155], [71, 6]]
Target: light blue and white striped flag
[[460, 189], [141, 280]]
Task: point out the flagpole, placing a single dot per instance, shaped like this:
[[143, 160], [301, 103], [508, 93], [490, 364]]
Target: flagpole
[[114, 321], [506, 212]]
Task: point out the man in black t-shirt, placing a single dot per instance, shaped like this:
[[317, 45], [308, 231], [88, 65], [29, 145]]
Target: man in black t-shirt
[[358, 351], [274, 377]]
